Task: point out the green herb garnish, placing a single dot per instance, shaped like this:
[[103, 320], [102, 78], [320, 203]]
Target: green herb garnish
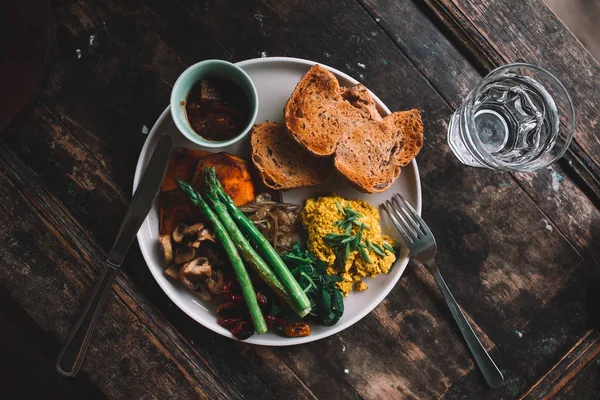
[[378, 249], [364, 255], [389, 247], [345, 244]]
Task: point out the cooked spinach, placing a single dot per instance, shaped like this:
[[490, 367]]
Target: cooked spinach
[[326, 299]]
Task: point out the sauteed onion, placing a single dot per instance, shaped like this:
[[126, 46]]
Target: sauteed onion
[[277, 221]]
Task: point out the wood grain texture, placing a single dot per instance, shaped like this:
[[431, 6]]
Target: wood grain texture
[[580, 17], [558, 198], [42, 260], [584, 354], [80, 144], [162, 339], [26, 351], [497, 32]]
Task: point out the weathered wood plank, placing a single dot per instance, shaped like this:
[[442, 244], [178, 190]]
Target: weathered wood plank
[[498, 32], [64, 163], [584, 386], [488, 245], [426, 44], [560, 199], [536, 346], [580, 17], [26, 351], [44, 246], [196, 365], [130, 79], [585, 352]]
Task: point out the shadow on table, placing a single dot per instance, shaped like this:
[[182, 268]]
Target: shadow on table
[[27, 357]]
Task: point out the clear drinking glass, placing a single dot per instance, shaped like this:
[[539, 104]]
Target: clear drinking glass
[[519, 118]]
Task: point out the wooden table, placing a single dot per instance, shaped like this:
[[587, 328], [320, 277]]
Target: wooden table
[[520, 251]]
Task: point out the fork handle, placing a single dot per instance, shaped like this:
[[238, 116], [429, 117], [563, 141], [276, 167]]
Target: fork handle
[[488, 368]]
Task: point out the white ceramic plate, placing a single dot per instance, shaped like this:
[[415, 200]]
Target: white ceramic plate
[[275, 79]]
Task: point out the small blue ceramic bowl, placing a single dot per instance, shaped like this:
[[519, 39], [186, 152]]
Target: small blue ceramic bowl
[[212, 68]]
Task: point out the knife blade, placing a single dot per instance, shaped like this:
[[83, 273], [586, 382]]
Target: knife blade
[[71, 357], [142, 202]]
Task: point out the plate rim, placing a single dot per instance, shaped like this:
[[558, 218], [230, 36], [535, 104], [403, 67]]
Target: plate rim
[[256, 339]]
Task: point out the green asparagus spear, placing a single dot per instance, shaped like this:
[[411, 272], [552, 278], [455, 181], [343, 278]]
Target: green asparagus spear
[[236, 262], [245, 249], [292, 288]]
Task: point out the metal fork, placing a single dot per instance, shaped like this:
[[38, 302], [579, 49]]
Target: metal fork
[[420, 241]]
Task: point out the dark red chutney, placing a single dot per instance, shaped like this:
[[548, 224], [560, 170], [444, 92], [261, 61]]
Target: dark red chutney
[[217, 109]]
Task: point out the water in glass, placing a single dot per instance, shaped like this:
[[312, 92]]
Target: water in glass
[[511, 121]]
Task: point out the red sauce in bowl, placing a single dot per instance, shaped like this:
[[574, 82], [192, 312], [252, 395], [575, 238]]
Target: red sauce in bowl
[[217, 109]]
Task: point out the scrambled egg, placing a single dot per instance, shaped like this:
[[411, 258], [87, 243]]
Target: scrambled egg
[[319, 216]]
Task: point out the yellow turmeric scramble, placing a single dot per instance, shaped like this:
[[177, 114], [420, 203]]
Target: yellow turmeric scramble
[[319, 218]]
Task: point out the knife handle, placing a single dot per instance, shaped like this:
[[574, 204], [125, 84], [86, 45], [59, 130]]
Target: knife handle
[[73, 352]]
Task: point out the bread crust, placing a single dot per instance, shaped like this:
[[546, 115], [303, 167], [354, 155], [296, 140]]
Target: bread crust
[[368, 151], [282, 163], [316, 114], [371, 157]]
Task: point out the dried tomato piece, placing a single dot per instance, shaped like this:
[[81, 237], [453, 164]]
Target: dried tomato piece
[[228, 323], [234, 297], [231, 309], [271, 320], [243, 330], [262, 299]]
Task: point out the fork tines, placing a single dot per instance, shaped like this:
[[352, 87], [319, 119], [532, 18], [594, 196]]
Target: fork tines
[[406, 219]]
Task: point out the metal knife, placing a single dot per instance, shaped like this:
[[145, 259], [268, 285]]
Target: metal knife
[[73, 352]]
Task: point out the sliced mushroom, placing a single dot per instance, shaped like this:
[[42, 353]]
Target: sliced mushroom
[[184, 254], [166, 248], [205, 234], [209, 252], [195, 272], [215, 282], [199, 233], [178, 234], [193, 229], [173, 271]]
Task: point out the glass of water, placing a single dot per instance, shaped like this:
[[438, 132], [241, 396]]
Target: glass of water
[[519, 118]]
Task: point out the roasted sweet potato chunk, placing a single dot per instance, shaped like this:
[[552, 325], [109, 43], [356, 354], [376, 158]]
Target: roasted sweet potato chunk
[[188, 165], [182, 166], [175, 208], [232, 171]]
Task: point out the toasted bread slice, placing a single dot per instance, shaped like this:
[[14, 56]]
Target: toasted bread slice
[[282, 163], [370, 157], [359, 96], [316, 115]]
